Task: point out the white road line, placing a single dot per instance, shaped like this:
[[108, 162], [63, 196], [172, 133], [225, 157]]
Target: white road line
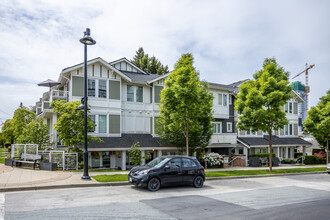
[[2, 206]]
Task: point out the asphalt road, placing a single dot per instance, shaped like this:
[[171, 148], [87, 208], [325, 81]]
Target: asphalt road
[[285, 197]]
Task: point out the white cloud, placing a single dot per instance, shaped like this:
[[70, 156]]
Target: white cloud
[[229, 39]]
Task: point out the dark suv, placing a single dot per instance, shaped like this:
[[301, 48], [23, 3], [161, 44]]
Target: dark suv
[[168, 170]]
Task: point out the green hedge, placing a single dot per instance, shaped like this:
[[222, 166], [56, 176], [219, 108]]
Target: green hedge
[[313, 159], [297, 154], [262, 155]]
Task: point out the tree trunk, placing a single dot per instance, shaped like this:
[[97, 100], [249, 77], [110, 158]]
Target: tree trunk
[[270, 151], [187, 138], [327, 149]]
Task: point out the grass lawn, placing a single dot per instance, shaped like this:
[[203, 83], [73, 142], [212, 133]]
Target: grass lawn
[[98, 170], [111, 178], [3, 153], [261, 172], [123, 177]]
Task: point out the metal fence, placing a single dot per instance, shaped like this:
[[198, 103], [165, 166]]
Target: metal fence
[[65, 161], [18, 149]]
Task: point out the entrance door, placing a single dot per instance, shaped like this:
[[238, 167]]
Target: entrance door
[[106, 161]]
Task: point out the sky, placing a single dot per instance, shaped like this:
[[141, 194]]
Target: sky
[[229, 39]]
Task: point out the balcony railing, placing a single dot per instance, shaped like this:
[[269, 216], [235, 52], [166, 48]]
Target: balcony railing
[[225, 138], [60, 94]]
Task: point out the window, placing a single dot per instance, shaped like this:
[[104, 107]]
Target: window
[[290, 107], [174, 163], [220, 98], [139, 94], [130, 93], [286, 129], [217, 128], [91, 87], [250, 132], [224, 99], [230, 100], [93, 120], [102, 88], [290, 129], [286, 107], [229, 127], [102, 124], [188, 163]]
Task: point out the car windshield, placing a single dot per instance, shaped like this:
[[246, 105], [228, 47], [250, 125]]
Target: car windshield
[[158, 162]]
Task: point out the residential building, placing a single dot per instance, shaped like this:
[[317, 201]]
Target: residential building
[[124, 102], [300, 89]]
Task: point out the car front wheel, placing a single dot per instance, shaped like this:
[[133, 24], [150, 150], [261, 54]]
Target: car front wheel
[[198, 182], [153, 184]]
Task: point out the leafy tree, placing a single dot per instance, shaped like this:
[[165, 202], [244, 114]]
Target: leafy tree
[[135, 154], [22, 117], [35, 132], [8, 132], [318, 122], [186, 108], [148, 64], [70, 123], [260, 100]]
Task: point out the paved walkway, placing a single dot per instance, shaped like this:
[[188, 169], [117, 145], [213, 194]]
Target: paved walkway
[[25, 178]]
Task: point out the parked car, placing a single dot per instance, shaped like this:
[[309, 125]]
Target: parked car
[[168, 170], [328, 168]]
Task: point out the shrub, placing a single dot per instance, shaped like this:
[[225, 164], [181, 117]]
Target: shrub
[[313, 159], [289, 161], [213, 159], [262, 155], [297, 154], [316, 150]]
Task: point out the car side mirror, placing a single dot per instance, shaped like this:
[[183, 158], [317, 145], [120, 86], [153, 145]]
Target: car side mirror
[[167, 167]]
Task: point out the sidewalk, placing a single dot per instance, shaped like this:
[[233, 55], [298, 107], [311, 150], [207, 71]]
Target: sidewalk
[[16, 179]]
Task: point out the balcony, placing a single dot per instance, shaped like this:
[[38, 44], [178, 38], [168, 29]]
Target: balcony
[[59, 94], [226, 138]]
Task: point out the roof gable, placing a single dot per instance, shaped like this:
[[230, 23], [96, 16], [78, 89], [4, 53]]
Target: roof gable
[[124, 64], [95, 60]]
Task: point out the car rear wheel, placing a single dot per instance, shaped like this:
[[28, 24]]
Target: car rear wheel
[[198, 182], [153, 184]]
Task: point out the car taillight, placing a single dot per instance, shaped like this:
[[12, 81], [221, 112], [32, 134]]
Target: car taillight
[[203, 169]]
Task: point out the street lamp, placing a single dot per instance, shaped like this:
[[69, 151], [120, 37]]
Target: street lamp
[[86, 40]]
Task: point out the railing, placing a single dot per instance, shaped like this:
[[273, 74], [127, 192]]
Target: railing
[[59, 94], [18, 149], [226, 138], [66, 161]]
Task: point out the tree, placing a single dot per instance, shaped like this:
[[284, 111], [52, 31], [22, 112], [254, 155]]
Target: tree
[[186, 108], [318, 122], [135, 154], [260, 100], [70, 123], [35, 132], [148, 64], [22, 117], [8, 132]]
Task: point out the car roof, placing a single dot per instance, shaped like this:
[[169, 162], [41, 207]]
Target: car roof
[[182, 156]]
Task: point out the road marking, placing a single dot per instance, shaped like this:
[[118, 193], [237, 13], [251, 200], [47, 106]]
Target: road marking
[[2, 206]]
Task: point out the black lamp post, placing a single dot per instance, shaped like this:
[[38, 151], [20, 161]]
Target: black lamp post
[[86, 40]]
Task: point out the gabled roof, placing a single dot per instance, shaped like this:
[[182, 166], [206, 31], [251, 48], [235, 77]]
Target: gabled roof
[[98, 59], [158, 78], [127, 61], [299, 99]]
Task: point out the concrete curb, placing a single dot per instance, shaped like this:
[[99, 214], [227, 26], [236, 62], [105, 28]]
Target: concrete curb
[[34, 188]]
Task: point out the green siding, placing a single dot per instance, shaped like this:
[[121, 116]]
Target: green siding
[[114, 89], [114, 122], [77, 86], [158, 90]]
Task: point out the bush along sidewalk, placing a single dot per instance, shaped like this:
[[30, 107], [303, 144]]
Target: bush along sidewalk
[[210, 174]]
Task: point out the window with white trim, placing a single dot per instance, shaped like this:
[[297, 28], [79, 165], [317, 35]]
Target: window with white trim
[[91, 87], [222, 99], [102, 124], [102, 88], [250, 132], [134, 93], [229, 127], [217, 127], [130, 93]]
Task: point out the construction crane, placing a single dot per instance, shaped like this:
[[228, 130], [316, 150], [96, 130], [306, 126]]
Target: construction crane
[[306, 81]]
